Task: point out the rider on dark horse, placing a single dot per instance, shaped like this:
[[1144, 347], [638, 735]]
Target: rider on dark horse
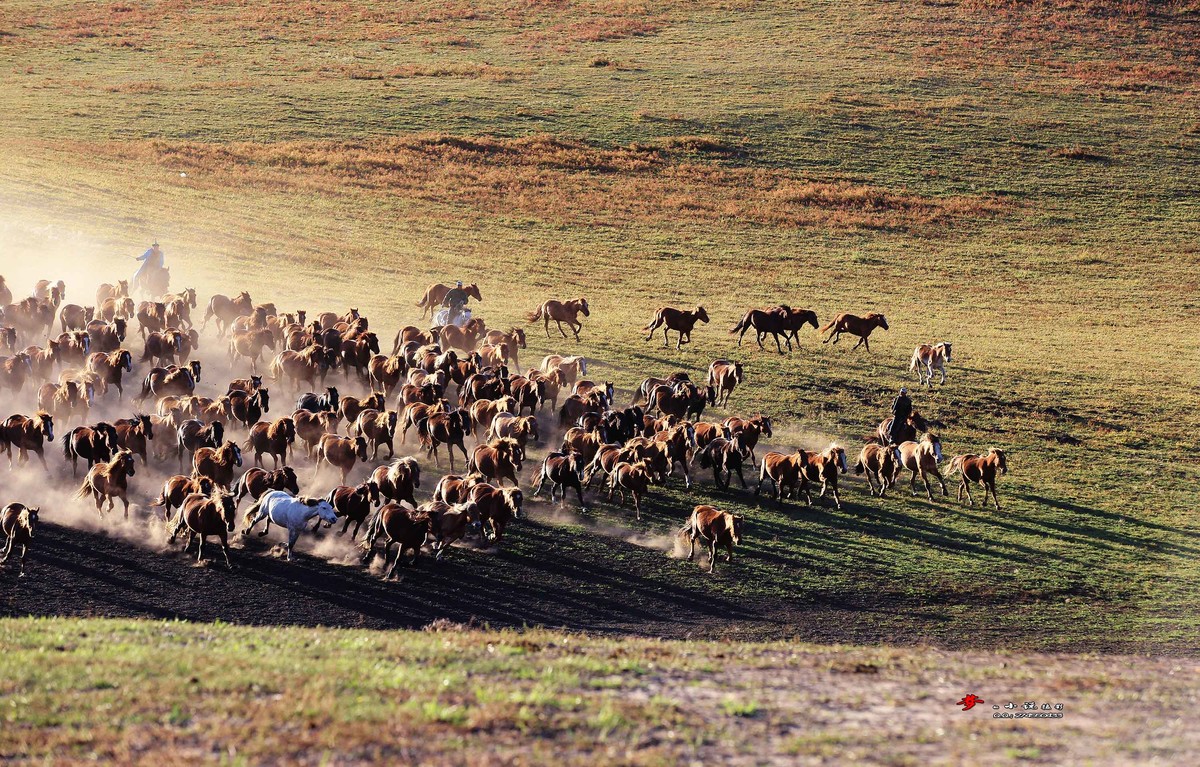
[[901, 411], [456, 300], [152, 261]]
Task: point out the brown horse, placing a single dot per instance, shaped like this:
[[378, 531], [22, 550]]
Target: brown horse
[[354, 504], [27, 434], [91, 443], [384, 373], [879, 464], [784, 472], [108, 481], [106, 337], [256, 481], [111, 368], [560, 312], [378, 427], [151, 317], [18, 523], [272, 438], [781, 320], [436, 293], [724, 455], [723, 376], [515, 338], [496, 507], [310, 427], [217, 464], [497, 460], [750, 429], [108, 290], [74, 347], [444, 428], [66, 400], [400, 480], [913, 425], [923, 458], [824, 468], [172, 380], [634, 478], [203, 516], [350, 407], [14, 371], [191, 435], [679, 320], [716, 528], [75, 317], [248, 408], [112, 308], [134, 433], [307, 366], [855, 326], [562, 471], [982, 469], [398, 524], [225, 310], [465, 338], [250, 344], [178, 487], [340, 453], [179, 308]]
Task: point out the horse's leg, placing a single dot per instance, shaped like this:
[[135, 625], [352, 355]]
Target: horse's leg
[[200, 550], [962, 486], [546, 324], [692, 540], [912, 482], [937, 473], [712, 553], [125, 502], [637, 505], [560, 330], [7, 550], [925, 479], [293, 535], [995, 500], [942, 369], [653, 327], [225, 551], [265, 530]]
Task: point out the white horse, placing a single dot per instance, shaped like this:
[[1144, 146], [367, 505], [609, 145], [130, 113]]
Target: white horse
[[288, 511], [931, 358]]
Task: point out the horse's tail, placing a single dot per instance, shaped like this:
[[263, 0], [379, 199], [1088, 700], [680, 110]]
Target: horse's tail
[[955, 465], [251, 513], [85, 488], [829, 325], [654, 323], [372, 531], [396, 343], [859, 467], [743, 324], [916, 359], [145, 389], [208, 315], [68, 452], [535, 315], [161, 500]]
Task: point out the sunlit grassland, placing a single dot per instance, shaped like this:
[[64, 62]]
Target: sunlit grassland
[[237, 695], [1067, 282]]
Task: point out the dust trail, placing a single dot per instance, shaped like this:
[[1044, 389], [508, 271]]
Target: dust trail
[[552, 513]]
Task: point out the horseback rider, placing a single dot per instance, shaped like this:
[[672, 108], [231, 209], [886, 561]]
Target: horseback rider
[[901, 411], [152, 260], [456, 300]]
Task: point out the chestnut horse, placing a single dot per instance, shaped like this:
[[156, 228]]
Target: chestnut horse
[[217, 463], [225, 310], [178, 487], [111, 368], [981, 469], [930, 358], [922, 457], [914, 425], [855, 326], [26, 434], [354, 504], [108, 481], [18, 523], [723, 376], [679, 320], [560, 312], [257, 481], [716, 528], [399, 524], [879, 464]]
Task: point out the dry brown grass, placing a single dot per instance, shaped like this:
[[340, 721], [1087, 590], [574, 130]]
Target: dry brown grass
[[555, 179]]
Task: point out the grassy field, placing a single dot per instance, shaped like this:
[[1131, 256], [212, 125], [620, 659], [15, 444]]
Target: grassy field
[[233, 695], [1018, 178]]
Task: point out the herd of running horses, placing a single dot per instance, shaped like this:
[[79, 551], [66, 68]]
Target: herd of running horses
[[68, 362]]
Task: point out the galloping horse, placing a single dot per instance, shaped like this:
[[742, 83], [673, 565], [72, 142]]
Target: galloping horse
[[107, 481], [781, 320], [560, 312], [225, 310], [930, 358], [855, 326], [922, 457], [981, 469], [290, 513], [17, 523], [205, 515], [436, 293], [679, 320], [723, 376]]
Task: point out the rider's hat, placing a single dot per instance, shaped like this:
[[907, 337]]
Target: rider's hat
[[154, 244], [904, 390], [459, 283]]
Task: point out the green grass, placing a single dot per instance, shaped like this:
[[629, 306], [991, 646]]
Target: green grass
[[139, 691], [1072, 309]]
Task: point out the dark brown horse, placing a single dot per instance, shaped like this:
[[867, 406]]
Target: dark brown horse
[[75, 317], [18, 523], [496, 507], [914, 425], [191, 435], [855, 326], [108, 481], [248, 408], [14, 371], [562, 471], [310, 427], [399, 480], [398, 524], [172, 380], [750, 429], [255, 481], [27, 434], [91, 443], [273, 439], [134, 433], [779, 321], [354, 504], [560, 312], [203, 516], [716, 528], [679, 320]]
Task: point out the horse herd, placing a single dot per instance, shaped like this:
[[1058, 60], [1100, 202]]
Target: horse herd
[[446, 384]]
